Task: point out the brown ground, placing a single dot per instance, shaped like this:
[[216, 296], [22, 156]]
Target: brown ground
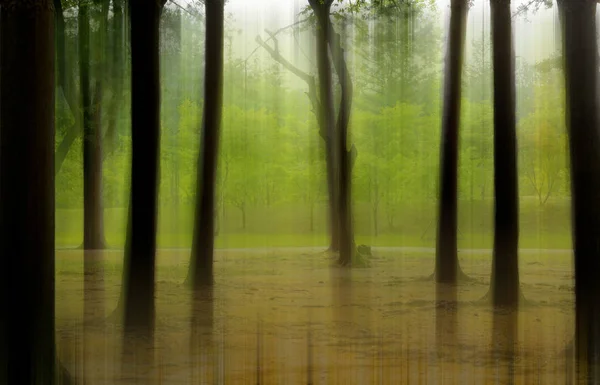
[[371, 326]]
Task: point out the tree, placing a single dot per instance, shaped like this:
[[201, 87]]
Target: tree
[[171, 76], [326, 112], [447, 269], [201, 266], [140, 248], [542, 145], [27, 220], [340, 159], [580, 51], [93, 229], [505, 259], [117, 74]]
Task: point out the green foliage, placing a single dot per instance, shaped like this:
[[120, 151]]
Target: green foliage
[[271, 171]]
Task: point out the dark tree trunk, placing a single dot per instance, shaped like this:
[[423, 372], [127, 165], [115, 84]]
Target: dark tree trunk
[[201, 266], [505, 261], [327, 115], [27, 221], [346, 232], [446, 264], [581, 67], [140, 249], [93, 233]]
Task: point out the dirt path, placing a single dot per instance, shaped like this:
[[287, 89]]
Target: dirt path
[[283, 315]]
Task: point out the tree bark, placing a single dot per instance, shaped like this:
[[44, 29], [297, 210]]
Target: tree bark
[[447, 268], [346, 232], [140, 249], [581, 67], [505, 259], [327, 115], [201, 266], [27, 220], [93, 234]]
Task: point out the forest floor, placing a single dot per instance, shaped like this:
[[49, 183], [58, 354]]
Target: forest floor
[[373, 325]]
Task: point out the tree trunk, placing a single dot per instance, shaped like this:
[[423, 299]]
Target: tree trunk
[[27, 222], [505, 260], [581, 66], [116, 75], [93, 234], [346, 235], [140, 249], [201, 266], [446, 268], [327, 117]]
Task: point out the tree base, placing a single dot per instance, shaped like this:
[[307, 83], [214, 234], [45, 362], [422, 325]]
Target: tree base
[[461, 278], [360, 257], [487, 300], [64, 377]]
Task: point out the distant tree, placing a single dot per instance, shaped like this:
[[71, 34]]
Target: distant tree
[[27, 321], [580, 53], [201, 264], [542, 147], [117, 74], [171, 78]]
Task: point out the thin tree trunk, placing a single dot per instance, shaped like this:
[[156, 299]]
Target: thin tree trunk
[[117, 75], [176, 117], [446, 268], [65, 82], [201, 266], [578, 22], [27, 221], [140, 249], [505, 259], [93, 234]]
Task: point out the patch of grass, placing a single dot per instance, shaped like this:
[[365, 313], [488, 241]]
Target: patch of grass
[[289, 225]]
